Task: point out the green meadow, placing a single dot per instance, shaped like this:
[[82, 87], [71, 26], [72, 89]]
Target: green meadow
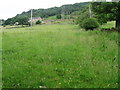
[[0, 58], [59, 56]]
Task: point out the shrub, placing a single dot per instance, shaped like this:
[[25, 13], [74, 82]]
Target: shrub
[[3, 25], [58, 16], [90, 24], [38, 22]]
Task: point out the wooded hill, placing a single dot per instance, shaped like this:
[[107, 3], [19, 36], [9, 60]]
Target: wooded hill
[[44, 13]]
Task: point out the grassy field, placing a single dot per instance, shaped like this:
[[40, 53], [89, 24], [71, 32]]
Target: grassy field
[[59, 56], [0, 58], [108, 25], [52, 17]]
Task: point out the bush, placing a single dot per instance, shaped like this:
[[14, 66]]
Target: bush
[[38, 22], [58, 16], [3, 25], [90, 24]]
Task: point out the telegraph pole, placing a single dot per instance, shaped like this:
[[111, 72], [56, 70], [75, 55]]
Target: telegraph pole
[[31, 17], [90, 12], [63, 12], [69, 14]]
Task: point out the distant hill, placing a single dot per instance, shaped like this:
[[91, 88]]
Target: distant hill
[[49, 13], [45, 13]]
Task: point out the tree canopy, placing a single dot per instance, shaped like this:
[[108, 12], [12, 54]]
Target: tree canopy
[[59, 16], [45, 13], [8, 21], [107, 11], [21, 19], [82, 15]]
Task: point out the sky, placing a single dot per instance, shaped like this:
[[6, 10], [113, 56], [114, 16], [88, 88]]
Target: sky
[[10, 8]]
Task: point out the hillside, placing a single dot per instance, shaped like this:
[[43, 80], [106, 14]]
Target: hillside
[[44, 13]]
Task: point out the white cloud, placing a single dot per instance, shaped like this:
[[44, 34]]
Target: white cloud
[[9, 8]]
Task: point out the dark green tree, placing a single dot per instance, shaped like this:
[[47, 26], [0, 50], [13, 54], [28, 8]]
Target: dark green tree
[[38, 22], [9, 21], [58, 16], [107, 11], [45, 13], [82, 15], [22, 20]]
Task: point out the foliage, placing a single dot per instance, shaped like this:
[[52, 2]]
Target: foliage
[[107, 11], [81, 16], [90, 23], [45, 13], [22, 20], [8, 21], [38, 22], [59, 16], [1, 21]]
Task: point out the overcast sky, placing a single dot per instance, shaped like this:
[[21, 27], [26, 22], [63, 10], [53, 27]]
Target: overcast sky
[[9, 8]]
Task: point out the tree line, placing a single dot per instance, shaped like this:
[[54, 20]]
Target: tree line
[[45, 13], [102, 12]]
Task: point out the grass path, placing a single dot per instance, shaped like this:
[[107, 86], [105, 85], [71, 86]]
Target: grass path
[[59, 56]]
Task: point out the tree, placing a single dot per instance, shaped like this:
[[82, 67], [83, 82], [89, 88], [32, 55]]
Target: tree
[[38, 22], [107, 11], [8, 22], [81, 16], [22, 20], [58, 16], [45, 13]]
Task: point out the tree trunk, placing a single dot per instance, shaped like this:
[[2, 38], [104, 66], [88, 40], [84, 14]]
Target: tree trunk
[[118, 16], [117, 23]]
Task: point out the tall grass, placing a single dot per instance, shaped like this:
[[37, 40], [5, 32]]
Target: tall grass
[[59, 56], [0, 58]]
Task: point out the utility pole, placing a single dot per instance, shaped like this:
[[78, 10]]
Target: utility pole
[[69, 14], [31, 17], [90, 12], [63, 12]]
